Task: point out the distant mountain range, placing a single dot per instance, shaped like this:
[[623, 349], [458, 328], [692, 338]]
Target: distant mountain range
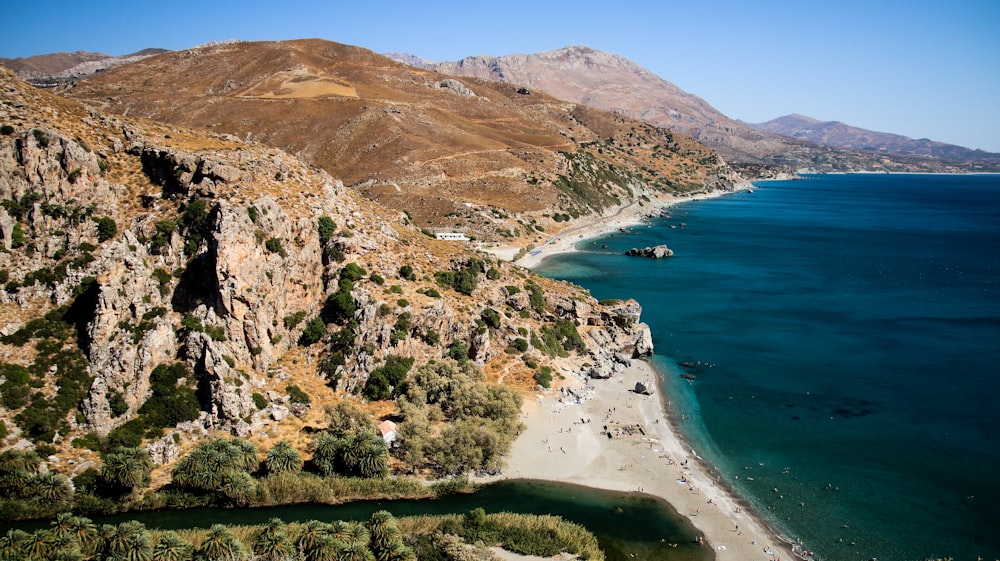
[[55, 69], [840, 135]]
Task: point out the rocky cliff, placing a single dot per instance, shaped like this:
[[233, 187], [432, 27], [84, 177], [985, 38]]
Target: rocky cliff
[[135, 246]]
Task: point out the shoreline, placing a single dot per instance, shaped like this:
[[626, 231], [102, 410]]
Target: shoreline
[[565, 440], [641, 462], [629, 215]]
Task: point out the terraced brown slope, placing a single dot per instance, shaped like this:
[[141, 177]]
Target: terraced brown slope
[[412, 139]]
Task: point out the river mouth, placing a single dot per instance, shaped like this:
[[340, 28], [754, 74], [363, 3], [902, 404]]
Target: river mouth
[[627, 525]]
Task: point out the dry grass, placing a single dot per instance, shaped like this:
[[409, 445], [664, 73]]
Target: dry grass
[[388, 128]]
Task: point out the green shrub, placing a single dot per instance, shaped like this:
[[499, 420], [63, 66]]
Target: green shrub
[[352, 272], [259, 401], [340, 306], [544, 376], [273, 245], [536, 297], [41, 138], [491, 317], [6, 130], [297, 395], [116, 401], [458, 351], [313, 332], [106, 228], [406, 272], [519, 344], [326, 227], [384, 381], [293, 320], [17, 236], [432, 337]]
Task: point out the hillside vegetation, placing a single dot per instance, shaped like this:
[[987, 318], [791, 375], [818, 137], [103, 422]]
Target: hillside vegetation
[[165, 288]]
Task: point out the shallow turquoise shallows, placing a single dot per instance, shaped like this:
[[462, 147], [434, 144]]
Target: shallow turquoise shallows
[[844, 336]]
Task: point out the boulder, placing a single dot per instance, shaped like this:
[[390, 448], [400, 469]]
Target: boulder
[[657, 252]]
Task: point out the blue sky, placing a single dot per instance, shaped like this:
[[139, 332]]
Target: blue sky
[[921, 68]]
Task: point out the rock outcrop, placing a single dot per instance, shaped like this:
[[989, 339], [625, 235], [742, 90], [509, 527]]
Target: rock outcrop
[[657, 252]]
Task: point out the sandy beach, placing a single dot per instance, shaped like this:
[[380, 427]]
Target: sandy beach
[[566, 440], [628, 215]]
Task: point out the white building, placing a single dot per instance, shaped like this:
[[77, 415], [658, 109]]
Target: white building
[[452, 236]]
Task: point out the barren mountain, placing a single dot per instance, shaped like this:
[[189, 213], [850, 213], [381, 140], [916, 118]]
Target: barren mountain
[[840, 135], [163, 284], [614, 83], [476, 155], [54, 69]]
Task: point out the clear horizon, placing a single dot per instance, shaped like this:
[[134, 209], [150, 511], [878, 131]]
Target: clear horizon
[[922, 69]]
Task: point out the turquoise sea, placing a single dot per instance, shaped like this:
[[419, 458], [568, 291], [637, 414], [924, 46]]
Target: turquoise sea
[[844, 336]]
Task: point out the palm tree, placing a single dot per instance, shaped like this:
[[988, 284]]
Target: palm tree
[[244, 455], [325, 448], [50, 487], [128, 541], [283, 458], [355, 551], [128, 468], [239, 486], [271, 543], [383, 530], [65, 548], [367, 455], [397, 551], [78, 528], [357, 533], [13, 544], [324, 548], [312, 532], [171, 547], [19, 460], [39, 545], [221, 544]]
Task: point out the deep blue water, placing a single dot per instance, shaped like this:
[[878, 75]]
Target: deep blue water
[[848, 334]]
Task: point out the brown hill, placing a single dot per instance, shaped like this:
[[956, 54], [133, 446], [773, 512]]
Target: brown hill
[[614, 83], [476, 155]]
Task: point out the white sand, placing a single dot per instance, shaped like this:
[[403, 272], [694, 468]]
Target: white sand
[[558, 446], [566, 240]]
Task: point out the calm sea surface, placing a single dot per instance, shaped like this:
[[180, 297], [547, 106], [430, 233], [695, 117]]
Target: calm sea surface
[[844, 333]]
